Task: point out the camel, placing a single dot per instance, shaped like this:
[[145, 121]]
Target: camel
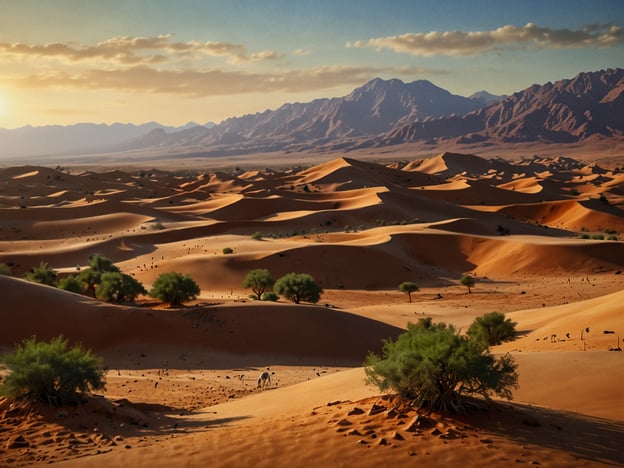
[[264, 379]]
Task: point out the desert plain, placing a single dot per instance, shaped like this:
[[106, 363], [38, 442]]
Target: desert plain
[[541, 236]]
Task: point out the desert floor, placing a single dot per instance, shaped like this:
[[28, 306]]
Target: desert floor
[[541, 237]]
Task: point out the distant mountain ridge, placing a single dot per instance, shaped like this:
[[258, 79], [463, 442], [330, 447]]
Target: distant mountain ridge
[[82, 137], [379, 113], [589, 105]]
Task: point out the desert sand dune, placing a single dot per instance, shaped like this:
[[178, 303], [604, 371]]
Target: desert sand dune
[[182, 382]]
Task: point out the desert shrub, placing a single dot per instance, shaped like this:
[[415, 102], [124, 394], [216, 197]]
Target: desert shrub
[[5, 270], [436, 367], [613, 238], [92, 276], [598, 237], [584, 236], [256, 236], [228, 250], [297, 287], [270, 296], [174, 288], [119, 287], [467, 281], [71, 283], [259, 280], [43, 274], [408, 287], [492, 328], [51, 372]]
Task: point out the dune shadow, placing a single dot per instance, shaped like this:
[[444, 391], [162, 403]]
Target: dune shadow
[[586, 437]]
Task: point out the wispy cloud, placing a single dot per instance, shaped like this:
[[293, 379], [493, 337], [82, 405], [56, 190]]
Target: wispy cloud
[[127, 50], [462, 43], [194, 83]]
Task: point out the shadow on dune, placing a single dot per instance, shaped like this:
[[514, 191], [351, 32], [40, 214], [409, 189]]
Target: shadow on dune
[[586, 437]]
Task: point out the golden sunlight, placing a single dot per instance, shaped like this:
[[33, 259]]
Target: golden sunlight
[[4, 106]]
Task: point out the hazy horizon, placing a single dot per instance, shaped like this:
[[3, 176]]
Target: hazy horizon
[[134, 62]]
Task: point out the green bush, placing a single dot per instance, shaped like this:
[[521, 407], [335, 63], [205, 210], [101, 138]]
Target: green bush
[[43, 274], [270, 296], [492, 328], [119, 287], [228, 250], [92, 276], [259, 280], [297, 287], [256, 236], [436, 367], [71, 283], [408, 287], [467, 281], [50, 372], [174, 288], [5, 270]]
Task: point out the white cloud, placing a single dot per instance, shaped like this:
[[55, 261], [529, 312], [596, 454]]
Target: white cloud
[[127, 50], [461, 43]]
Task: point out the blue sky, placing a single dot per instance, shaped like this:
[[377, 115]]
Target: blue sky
[[68, 61]]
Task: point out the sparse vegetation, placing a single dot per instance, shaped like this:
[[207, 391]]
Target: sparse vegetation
[[259, 280], [436, 367], [297, 287], [174, 288], [468, 281], [5, 270], [256, 236], [71, 283], [43, 274], [492, 328], [51, 372], [408, 287], [119, 287], [270, 296], [92, 276]]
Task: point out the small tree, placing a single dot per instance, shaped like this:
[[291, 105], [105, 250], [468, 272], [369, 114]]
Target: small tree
[[408, 287], [174, 288], [297, 287], [92, 276], [468, 281], [436, 367], [5, 270], [119, 287], [71, 283], [42, 274], [50, 372], [259, 280], [492, 328]]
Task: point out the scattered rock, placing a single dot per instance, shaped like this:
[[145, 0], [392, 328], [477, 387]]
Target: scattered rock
[[397, 436], [344, 422], [355, 411], [419, 422], [362, 442], [354, 432], [486, 441], [382, 441], [376, 409], [17, 442], [435, 432]]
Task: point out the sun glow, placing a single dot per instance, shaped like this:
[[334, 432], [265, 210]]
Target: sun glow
[[4, 106]]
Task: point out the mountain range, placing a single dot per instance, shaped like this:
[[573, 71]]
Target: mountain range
[[379, 113]]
